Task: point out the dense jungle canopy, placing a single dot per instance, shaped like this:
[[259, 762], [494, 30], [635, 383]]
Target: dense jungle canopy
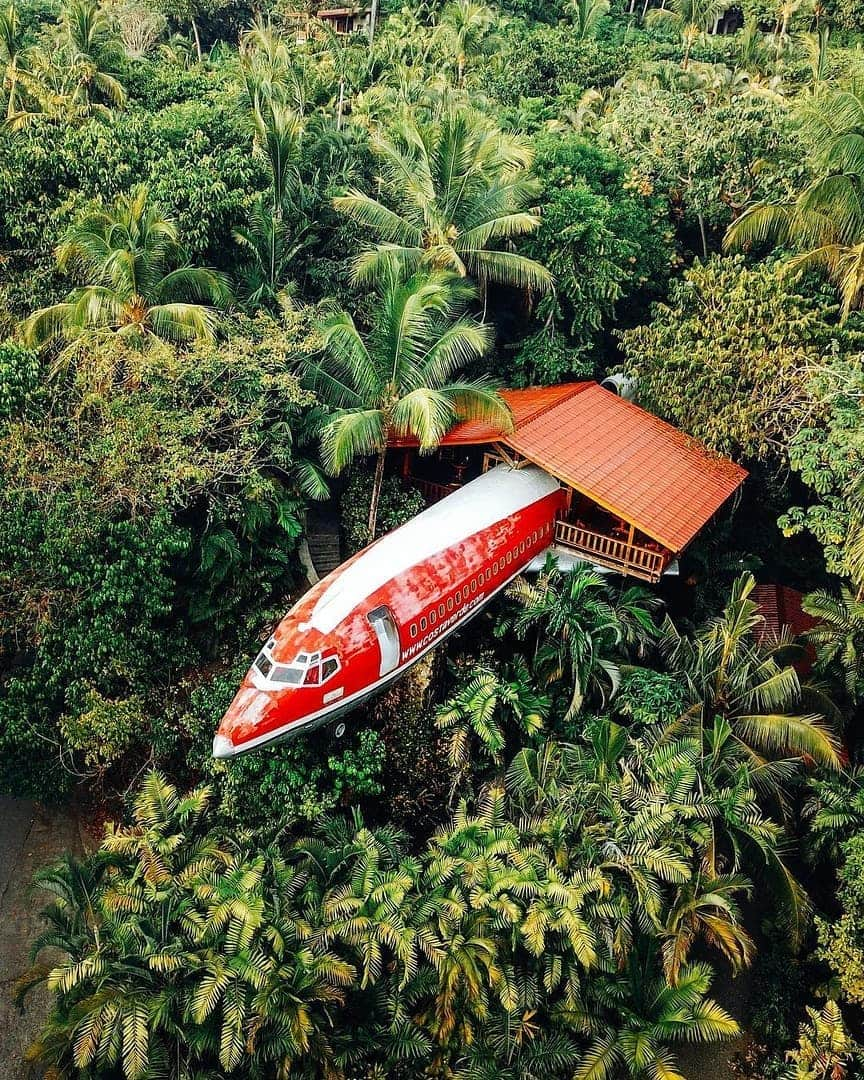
[[239, 246]]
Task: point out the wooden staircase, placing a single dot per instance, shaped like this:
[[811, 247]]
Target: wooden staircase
[[322, 536]]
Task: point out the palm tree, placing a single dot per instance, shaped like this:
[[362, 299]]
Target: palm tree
[[834, 811], [691, 18], [730, 675], [271, 244], [185, 954], [400, 378], [452, 190], [12, 53], [838, 638], [80, 77], [278, 225], [464, 31], [825, 1050], [484, 705], [576, 628], [826, 219], [635, 1014], [587, 15], [707, 909], [129, 255], [854, 546]]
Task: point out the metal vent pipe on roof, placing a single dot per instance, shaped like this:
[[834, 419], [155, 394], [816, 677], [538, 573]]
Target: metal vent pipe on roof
[[623, 386]]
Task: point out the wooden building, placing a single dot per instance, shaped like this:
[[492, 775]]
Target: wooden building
[[639, 490], [342, 20]]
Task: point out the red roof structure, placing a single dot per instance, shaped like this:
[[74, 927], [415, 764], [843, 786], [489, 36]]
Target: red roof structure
[[621, 457], [779, 606]]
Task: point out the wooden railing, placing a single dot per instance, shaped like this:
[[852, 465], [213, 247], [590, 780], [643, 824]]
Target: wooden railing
[[627, 558], [432, 491]]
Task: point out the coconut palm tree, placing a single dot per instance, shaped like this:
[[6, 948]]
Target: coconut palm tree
[[452, 191], [278, 225], [400, 377], [825, 222], [839, 637], [137, 282], [586, 15], [465, 31], [80, 76], [12, 56], [730, 675], [691, 18]]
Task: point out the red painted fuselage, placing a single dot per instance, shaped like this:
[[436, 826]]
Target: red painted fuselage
[[368, 621]]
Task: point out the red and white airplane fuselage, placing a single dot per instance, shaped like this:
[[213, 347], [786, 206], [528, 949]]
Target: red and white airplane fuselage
[[361, 627]]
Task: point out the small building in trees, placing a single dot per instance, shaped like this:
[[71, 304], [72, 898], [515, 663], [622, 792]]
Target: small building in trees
[[341, 20], [639, 490]]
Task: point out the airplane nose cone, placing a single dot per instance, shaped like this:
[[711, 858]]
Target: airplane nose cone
[[223, 748]]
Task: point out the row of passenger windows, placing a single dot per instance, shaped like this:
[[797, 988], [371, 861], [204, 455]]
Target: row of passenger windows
[[469, 590]]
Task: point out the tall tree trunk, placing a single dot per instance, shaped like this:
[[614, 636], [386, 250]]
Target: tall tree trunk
[[340, 104], [12, 106], [197, 41], [376, 491], [704, 236], [688, 45], [373, 19]]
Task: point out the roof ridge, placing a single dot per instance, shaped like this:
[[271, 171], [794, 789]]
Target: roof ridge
[[574, 389]]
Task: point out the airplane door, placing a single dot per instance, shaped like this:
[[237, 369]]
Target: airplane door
[[384, 625]]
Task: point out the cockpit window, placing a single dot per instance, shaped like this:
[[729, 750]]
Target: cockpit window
[[307, 669], [284, 674]]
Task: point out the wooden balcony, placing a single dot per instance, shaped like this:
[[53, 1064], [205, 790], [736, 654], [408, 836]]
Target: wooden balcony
[[616, 554], [432, 491]]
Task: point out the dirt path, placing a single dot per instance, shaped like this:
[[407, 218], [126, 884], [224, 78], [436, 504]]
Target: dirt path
[[30, 837], [707, 1061]]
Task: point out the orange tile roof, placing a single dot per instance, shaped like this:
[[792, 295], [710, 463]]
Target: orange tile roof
[[620, 456], [525, 405]]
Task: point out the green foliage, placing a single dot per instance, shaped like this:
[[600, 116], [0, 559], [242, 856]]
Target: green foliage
[[647, 697], [544, 359], [578, 629], [193, 156], [779, 987], [828, 453], [103, 730], [550, 62], [399, 502], [730, 357], [19, 378], [156, 506], [607, 247], [841, 941]]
